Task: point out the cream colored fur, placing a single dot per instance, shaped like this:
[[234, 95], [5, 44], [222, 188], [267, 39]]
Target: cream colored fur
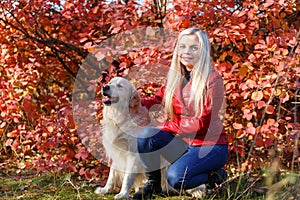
[[122, 120]]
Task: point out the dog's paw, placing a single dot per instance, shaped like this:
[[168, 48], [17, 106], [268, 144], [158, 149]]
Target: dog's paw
[[101, 190], [121, 196]]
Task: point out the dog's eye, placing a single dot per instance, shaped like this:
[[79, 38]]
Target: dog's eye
[[119, 85]]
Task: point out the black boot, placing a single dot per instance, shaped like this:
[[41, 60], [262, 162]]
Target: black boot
[[153, 186], [215, 180]]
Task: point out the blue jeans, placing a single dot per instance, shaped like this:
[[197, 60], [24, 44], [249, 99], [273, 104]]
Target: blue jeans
[[189, 165]]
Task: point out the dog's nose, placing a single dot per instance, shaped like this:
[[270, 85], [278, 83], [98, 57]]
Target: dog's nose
[[106, 87]]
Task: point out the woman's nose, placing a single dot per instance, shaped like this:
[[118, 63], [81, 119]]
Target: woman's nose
[[186, 50]]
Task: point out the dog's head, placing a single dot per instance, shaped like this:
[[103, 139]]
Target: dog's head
[[119, 91]]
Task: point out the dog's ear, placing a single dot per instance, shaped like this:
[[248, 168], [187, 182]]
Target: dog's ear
[[135, 101]]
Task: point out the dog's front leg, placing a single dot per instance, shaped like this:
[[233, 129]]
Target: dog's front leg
[[129, 177], [126, 185], [109, 184]]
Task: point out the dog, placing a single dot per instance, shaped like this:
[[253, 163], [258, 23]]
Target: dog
[[123, 118]]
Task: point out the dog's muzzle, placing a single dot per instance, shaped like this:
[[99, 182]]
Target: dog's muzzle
[[108, 99]]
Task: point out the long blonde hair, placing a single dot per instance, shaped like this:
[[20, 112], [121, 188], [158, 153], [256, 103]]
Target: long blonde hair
[[199, 74]]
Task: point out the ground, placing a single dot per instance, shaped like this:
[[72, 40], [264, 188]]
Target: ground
[[49, 185]]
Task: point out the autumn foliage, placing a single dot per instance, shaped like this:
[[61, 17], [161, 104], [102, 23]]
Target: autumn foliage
[[45, 44]]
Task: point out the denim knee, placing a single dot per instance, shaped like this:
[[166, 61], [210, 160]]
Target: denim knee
[[175, 179], [144, 141], [148, 132]]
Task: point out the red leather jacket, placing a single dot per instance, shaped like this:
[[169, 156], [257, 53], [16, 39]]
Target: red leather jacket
[[205, 129]]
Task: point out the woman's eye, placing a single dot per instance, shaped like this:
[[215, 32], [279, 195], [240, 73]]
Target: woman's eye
[[195, 48], [181, 46]]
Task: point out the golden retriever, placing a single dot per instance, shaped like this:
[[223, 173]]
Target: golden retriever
[[123, 118]]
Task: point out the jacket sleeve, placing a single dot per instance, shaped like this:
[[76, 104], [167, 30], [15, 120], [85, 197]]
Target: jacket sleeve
[[156, 99]]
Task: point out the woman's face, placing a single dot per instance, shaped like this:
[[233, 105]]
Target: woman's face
[[189, 51]]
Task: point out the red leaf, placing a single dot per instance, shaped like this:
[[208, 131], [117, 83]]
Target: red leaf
[[123, 65], [269, 142], [116, 30], [16, 120], [13, 134], [252, 58], [83, 40], [50, 129], [3, 124], [251, 130], [109, 59], [264, 128], [15, 144], [261, 104], [259, 142], [185, 23], [100, 55], [240, 133], [177, 7], [268, 3], [9, 142], [87, 45], [270, 109], [250, 83], [260, 46], [241, 151], [137, 61], [271, 122], [82, 153], [257, 95], [242, 25], [237, 126], [231, 4], [32, 60], [95, 10], [88, 175], [243, 70], [81, 171], [248, 116], [284, 97], [91, 88]]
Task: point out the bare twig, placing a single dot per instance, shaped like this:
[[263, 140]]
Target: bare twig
[[297, 132], [68, 180], [41, 36], [181, 187], [248, 188]]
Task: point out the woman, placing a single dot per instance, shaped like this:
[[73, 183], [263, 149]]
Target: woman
[[192, 139]]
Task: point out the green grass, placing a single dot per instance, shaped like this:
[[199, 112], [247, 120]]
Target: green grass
[[49, 186], [44, 187]]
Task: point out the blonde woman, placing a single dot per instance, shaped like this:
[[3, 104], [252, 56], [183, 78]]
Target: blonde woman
[[192, 139]]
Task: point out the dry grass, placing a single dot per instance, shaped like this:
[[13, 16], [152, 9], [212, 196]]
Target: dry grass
[[51, 186]]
